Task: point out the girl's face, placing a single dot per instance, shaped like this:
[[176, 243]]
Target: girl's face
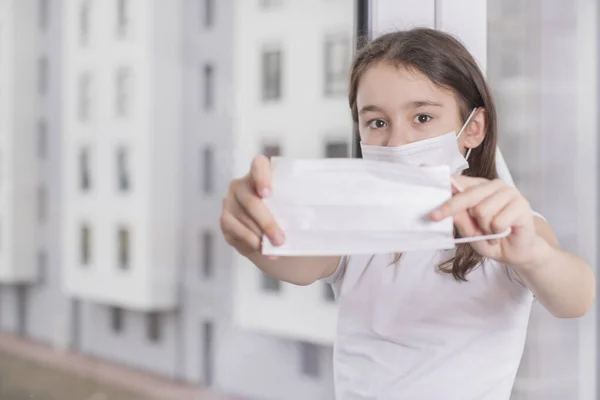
[[397, 106]]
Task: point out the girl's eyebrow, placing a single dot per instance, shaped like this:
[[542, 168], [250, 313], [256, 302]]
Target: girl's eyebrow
[[422, 103], [410, 104], [369, 108]]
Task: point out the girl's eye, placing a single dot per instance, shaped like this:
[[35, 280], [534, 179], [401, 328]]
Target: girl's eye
[[422, 119], [377, 123]]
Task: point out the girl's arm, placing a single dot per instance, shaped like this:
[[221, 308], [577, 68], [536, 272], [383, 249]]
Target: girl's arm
[[563, 282]]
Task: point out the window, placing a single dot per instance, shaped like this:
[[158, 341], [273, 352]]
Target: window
[[336, 149], [208, 78], [209, 13], [124, 248], [85, 87], [43, 17], [154, 326], [84, 22], [43, 75], [207, 170], [271, 75], [85, 182], [21, 308], [42, 266], [337, 58], [271, 150], [329, 294], [123, 175], [270, 284], [122, 18], [85, 244], [207, 255], [42, 203], [309, 359], [116, 317], [42, 142], [207, 353], [124, 88]]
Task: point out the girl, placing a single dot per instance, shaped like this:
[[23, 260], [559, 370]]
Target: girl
[[427, 324]]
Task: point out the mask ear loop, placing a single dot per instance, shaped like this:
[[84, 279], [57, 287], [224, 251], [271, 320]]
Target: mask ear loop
[[477, 238], [463, 129]]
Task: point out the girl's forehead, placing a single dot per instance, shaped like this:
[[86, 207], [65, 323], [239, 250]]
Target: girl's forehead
[[387, 83]]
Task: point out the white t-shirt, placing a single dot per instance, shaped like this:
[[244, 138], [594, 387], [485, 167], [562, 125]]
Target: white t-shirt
[[408, 331]]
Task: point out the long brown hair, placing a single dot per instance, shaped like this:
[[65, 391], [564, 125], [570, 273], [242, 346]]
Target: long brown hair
[[448, 64]]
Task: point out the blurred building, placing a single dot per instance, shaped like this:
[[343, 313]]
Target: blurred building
[[31, 300], [143, 111], [121, 169]]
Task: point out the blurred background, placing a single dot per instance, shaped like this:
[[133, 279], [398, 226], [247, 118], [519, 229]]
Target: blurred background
[[122, 123]]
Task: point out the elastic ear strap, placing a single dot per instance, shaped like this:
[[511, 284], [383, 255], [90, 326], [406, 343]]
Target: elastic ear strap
[[477, 238], [483, 237], [468, 154], [467, 122]]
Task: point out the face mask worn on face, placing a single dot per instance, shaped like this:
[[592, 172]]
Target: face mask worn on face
[[354, 206], [439, 150]]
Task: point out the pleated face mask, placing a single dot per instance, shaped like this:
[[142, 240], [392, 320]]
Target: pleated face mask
[[354, 206]]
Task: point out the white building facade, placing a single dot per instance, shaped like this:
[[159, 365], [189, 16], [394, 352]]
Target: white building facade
[[121, 173], [31, 300], [18, 163]]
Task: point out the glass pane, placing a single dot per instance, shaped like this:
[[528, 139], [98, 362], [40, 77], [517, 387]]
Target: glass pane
[[533, 64], [123, 91], [123, 244], [270, 284], [206, 254], [154, 326], [85, 243]]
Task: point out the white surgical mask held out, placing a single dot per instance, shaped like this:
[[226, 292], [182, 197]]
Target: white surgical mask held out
[[439, 150], [353, 206]]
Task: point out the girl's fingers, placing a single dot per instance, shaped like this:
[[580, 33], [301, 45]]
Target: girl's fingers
[[489, 208], [471, 197], [513, 215], [259, 212], [467, 226], [237, 234]]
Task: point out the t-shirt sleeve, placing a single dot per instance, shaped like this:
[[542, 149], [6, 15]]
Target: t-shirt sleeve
[[336, 279]]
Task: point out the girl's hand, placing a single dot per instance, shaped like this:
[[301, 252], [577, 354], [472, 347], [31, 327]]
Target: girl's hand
[[244, 217], [487, 207]]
